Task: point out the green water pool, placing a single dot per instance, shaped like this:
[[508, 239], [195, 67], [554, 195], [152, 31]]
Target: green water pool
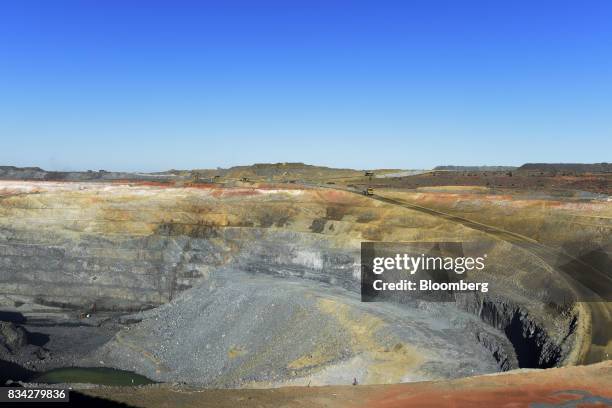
[[91, 375]]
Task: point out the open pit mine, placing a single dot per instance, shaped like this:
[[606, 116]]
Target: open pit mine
[[236, 282]]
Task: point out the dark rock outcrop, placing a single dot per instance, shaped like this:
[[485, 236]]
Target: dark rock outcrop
[[12, 338]]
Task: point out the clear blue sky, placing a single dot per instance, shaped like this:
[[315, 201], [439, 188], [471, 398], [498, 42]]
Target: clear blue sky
[[150, 85]]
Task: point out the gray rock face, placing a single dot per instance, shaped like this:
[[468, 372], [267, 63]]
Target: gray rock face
[[142, 272], [138, 273], [12, 338]]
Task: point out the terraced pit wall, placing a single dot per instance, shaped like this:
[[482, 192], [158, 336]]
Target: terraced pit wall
[[124, 247]]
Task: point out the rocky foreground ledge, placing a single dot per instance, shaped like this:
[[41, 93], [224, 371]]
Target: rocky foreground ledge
[[582, 386]]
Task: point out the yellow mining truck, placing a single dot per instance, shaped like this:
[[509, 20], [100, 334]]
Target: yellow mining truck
[[368, 191]]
